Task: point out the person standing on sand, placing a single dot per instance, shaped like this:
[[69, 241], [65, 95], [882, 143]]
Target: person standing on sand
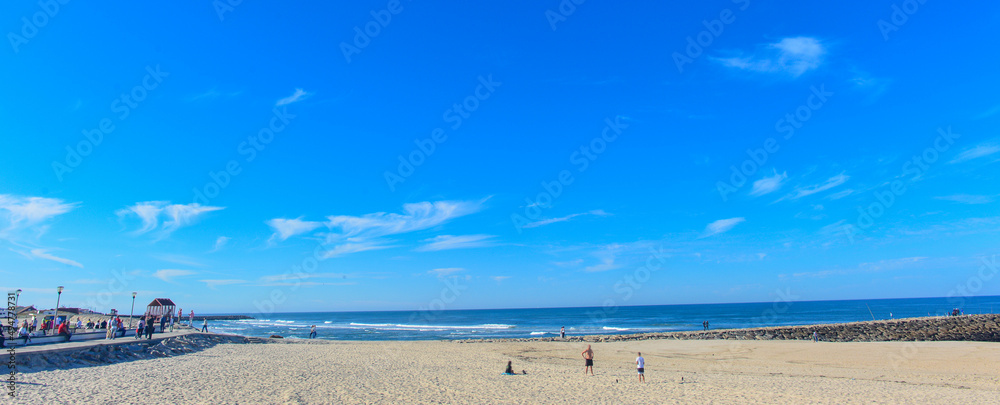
[[562, 332], [588, 363], [204, 326], [312, 332], [640, 366]]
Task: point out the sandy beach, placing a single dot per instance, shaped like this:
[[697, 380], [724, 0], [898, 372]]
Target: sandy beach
[[677, 371]]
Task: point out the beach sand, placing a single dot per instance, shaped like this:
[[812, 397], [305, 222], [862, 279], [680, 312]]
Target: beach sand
[[447, 372]]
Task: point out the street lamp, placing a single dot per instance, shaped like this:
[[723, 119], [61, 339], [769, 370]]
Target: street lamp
[[58, 297], [131, 310], [17, 295]]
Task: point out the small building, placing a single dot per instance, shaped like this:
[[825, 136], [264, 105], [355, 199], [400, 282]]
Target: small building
[[160, 307]]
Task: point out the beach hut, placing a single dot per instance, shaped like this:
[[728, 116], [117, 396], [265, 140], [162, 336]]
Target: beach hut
[[160, 307]]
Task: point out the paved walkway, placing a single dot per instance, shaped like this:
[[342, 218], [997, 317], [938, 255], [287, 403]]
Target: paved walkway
[[71, 345]]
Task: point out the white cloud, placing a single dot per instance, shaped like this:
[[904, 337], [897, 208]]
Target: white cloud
[[350, 234], [563, 219], [721, 226], [828, 184], [298, 95], [286, 228], [169, 274], [24, 213], [768, 185], [840, 194], [969, 199], [220, 243], [41, 253], [499, 278], [300, 276], [448, 242], [976, 152], [793, 56], [445, 271], [164, 216], [215, 283], [354, 247]]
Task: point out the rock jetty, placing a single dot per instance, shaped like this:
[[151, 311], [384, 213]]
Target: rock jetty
[[116, 353], [982, 328]]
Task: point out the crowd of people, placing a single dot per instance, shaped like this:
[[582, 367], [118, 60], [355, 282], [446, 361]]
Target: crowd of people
[[114, 327]]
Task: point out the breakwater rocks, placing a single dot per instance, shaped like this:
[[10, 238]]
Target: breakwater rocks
[[120, 352], [983, 328]]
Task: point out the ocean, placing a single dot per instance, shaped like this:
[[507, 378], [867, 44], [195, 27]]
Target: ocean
[[545, 322]]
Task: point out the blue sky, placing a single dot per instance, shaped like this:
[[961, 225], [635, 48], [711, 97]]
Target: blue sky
[[264, 157]]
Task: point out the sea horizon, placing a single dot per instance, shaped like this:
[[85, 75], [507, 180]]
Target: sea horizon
[[460, 324]]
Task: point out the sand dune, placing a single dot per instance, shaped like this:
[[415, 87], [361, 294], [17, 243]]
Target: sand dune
[[448, 372]]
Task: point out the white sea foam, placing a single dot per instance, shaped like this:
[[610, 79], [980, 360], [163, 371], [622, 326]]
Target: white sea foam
[[614, 328], [432, 327]]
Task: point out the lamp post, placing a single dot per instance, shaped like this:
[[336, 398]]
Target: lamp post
[[56, 316], [131, 311], [17, 296]]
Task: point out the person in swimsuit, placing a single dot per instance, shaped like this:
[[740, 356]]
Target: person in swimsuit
[[588, 357]]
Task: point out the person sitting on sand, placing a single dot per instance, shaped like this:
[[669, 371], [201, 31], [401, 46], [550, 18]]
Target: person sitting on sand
[[510, 368], [588, 357]]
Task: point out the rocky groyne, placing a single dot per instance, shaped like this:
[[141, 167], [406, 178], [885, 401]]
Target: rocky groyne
[[982, 328], [120, 352]]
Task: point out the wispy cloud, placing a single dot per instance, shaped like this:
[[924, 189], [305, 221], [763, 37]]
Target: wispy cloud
[[499, 278], [769, 185], [721, 226], [446, 271], [989, 113], [449, 242], [976, 152], [220, 243], [297, 96], [286, 228], [168, 275], [544, 222], [215, 283], [818, 188], [350, 234], [19, 214], [969, 199], [164, 217], [792, 56], [43, 254]]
